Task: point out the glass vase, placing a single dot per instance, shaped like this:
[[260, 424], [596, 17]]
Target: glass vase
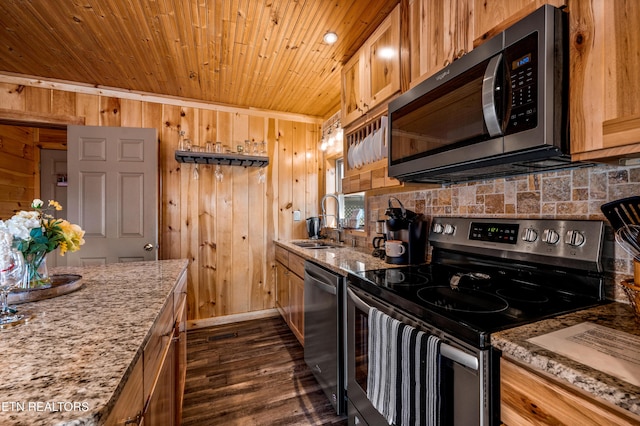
[[36, 272]]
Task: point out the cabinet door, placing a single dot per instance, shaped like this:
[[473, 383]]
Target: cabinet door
[[180, 355], [160, 409], [352, 98], [493, 16], [382, 66], [296, 305], [156, 347], [529, 398], [604, 57], [440, 33], [128, 407], [282, 290]]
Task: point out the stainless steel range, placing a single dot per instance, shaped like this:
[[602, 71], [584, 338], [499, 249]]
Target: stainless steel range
[[486, 275]]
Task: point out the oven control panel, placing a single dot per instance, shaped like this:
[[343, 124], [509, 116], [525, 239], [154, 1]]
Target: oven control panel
[[564, 242], [506, 233]]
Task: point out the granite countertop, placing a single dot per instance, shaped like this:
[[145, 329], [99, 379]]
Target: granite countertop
[[617, 316], [67, 363], [342, 260]]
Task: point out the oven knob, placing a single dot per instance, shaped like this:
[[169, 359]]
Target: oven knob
[[437, 228], [530, 235], [574, 238], [449, 229], [550, 236]]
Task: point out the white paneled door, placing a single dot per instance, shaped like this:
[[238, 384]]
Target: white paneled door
[[113, 193], [53, 186]]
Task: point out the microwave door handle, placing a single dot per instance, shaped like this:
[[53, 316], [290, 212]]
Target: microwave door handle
[[446, 350], [488, 100]]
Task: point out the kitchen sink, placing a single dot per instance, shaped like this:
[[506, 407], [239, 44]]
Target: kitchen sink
[[315, 245]]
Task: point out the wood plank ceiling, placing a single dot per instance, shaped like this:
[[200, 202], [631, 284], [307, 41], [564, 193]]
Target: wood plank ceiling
[[266, 54]]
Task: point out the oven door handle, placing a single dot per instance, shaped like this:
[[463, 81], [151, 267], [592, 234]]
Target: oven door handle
[[360, 304], [458, 356], [446, 350]]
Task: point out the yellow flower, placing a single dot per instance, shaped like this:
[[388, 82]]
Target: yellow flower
[[73, 237], [56, 205]]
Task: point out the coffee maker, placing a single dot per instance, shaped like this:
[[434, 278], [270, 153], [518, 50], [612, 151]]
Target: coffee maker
[[411, 229]]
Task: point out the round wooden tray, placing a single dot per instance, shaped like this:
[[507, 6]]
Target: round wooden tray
[[60, 284]]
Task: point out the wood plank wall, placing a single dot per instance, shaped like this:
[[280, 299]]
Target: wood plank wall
[[226, 229], [17, 169], [19, 155]]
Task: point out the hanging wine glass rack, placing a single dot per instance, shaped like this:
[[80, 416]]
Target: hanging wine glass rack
[[222, 159]]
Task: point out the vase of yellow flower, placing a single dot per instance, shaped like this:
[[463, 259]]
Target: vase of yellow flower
[[36, 271], [37, 233]]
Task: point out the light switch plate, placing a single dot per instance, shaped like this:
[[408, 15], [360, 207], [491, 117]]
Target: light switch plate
[[296, 215]]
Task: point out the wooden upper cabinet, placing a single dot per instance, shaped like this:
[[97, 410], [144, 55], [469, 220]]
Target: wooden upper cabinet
[[604, 89], [352, 98], [440, 32], [382, 61], [493, 16], [372, 75]]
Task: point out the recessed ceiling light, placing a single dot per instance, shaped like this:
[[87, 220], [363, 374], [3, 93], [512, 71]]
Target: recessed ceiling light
[[330, 38]]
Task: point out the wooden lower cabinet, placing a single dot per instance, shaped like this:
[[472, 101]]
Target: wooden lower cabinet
[[154, 390], [180, 353], [531, 398], [290, 290], [282, 290], [160, 408], [296, 306], [129, 406]]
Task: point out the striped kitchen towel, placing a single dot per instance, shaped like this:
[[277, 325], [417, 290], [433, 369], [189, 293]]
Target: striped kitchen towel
[[403, 374]]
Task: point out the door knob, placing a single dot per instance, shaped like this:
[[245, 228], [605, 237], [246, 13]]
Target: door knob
[[148, 247]]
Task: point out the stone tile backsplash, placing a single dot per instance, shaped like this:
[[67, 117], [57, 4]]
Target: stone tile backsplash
[[567, 194]]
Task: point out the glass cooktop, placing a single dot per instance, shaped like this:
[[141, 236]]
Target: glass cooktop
[[472, 300]]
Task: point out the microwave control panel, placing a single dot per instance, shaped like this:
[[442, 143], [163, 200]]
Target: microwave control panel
[[521, 62]]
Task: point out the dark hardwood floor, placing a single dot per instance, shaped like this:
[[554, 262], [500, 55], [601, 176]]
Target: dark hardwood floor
[[251, 373]]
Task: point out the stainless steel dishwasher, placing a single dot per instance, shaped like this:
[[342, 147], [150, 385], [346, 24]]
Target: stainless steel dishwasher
[[324, 336]]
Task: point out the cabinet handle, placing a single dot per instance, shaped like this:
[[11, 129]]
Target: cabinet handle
[[133, 420]]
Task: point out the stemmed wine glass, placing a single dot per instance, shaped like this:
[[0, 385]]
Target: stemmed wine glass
[[12, 271], [218, 173]]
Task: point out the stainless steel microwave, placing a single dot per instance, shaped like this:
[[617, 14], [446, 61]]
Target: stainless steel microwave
[[500, 110]]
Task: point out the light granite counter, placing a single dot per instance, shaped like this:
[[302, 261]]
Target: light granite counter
[[342, 260], [618, 316], [67, 364]]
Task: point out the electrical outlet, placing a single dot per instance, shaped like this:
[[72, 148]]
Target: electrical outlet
[[296, 215]]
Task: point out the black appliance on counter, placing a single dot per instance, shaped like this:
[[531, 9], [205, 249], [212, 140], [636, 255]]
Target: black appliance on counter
[[499, 110], [410, 228], [313, 228], [485, 275]]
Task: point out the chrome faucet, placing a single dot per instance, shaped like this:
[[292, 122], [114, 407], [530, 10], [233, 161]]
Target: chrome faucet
[[337, 215]]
